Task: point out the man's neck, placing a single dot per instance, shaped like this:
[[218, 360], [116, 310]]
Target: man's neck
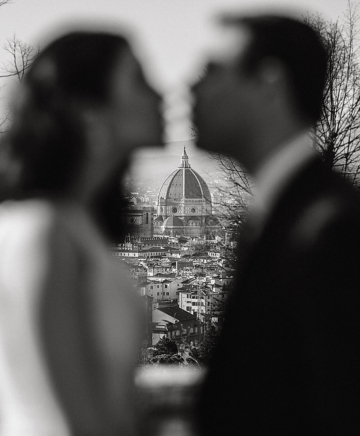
[[269, 141], [277, 172]]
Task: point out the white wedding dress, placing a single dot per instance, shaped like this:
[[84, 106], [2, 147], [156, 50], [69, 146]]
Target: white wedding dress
[[52, 260]]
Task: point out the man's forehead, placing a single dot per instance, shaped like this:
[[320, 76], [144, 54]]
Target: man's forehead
[[229, 43]]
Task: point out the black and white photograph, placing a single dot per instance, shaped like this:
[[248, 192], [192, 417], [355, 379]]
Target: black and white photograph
[[179, 218]]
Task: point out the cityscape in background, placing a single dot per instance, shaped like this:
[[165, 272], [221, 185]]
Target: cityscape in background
[[178, 247]]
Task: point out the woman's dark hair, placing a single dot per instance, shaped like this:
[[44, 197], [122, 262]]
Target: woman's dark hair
[[297, 46], [43, 151], [47, 136]]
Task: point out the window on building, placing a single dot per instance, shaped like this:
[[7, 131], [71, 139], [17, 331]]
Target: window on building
[[151, 287], [158, 293]]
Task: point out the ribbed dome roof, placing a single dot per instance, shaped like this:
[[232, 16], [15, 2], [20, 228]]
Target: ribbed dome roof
[[184, 182]]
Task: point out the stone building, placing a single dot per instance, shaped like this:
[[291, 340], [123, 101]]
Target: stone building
[[184, 205], [138, 220]]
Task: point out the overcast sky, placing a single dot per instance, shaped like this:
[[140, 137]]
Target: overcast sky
[[172, 34]]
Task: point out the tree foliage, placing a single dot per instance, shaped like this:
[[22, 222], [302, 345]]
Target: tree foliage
[[22, 56], [19, 57], [165, 346], [234, 195], [4, 2], [208, 344], [337, 134]]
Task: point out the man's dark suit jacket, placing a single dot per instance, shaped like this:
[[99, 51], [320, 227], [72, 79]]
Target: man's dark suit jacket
[[288, 362]]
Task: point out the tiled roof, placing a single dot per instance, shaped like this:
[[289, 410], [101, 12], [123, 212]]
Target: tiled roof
[[178, 313]]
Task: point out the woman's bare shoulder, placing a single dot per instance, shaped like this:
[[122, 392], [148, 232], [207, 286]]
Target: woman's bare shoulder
[[26, 218], [30, 241]]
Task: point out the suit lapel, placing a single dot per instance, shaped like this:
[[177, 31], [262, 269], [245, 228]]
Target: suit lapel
[[262, 236]]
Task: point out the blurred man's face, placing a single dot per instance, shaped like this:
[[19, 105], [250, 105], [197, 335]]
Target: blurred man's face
[[223, 98]]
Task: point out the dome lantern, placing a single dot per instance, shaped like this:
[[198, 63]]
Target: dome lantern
[[184, 160]]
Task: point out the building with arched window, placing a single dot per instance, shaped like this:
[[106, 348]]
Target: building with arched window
[[184, 205]]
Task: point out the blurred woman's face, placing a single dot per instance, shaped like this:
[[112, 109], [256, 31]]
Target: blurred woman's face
[[135, 107]]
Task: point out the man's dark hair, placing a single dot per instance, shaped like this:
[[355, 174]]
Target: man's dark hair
[[297, 46]]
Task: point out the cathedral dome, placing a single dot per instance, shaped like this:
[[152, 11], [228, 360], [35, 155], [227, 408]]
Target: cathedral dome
[[184, 202], [184, 183]]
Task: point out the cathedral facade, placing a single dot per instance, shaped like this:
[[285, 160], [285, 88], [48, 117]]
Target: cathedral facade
[[184, 205]]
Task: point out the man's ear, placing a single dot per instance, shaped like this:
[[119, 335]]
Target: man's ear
[[272, 75], [275, 85]]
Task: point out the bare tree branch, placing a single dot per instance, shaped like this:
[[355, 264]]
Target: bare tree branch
[[232, 197], [22, 56], [337, 134]]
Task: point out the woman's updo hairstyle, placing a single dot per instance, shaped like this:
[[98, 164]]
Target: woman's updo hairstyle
[[47, 138]]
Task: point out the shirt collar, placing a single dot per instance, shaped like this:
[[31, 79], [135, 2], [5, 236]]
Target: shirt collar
[[279, 168]]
